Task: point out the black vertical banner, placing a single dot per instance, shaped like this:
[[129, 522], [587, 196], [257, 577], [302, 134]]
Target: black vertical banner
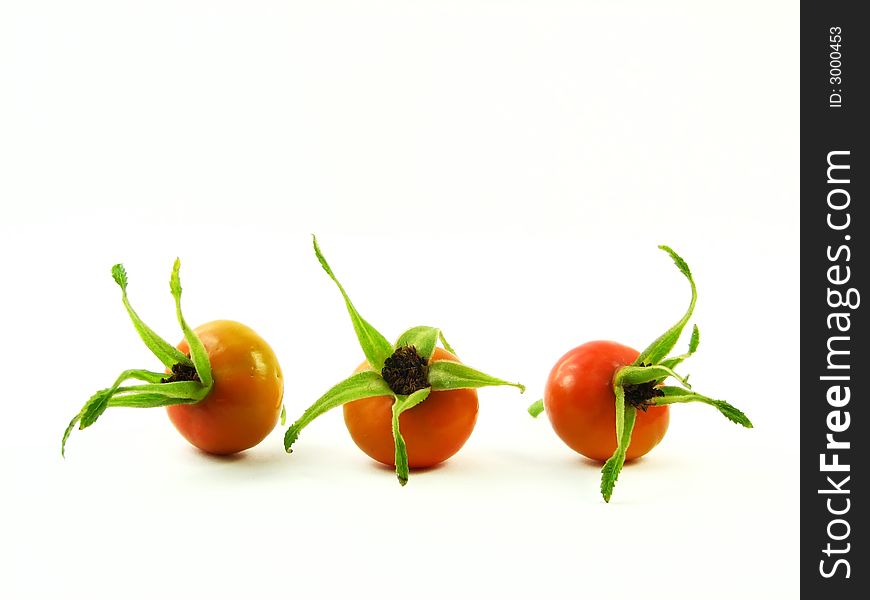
[[835, 225]]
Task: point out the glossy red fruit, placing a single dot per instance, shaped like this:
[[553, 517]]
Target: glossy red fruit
[[581, 405]]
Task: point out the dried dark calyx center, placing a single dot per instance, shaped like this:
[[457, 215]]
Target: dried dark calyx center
[[182, 372], [405, 371], [640, 394]]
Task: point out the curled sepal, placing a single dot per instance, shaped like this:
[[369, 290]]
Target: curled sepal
[[659, 349], [165, 352], [198, 353], [536, 408], [422, 338], [374, 345], [613, 466], [355, 387], [451, 375], [402, 404], [153, 394], [673, 395]]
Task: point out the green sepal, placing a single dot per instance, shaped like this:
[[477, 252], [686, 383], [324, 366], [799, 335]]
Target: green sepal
[[653, 366], [177, 392], [156, 391], [361, 385], [165, 352], [673, 395], [613, 466], [400, 405], [536, 408], [97, 404], [374, 345], [423, 339], [198, 353], [631, 374], [451, 375], [659, 349]]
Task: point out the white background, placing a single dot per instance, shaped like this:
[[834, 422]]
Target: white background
[[503, 170]]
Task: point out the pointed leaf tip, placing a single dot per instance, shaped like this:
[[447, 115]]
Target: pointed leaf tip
[[733, 414], [94, 408], [320, 258], [175, 279], [694, 340], [451, 375], [400, 405], [609, 475], [678, 260], [67, 433], [374, 345], [119, 274]]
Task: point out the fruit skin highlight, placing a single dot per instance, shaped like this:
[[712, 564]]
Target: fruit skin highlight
[[411, 404], [244, 405], [610, 403], [222, 385]]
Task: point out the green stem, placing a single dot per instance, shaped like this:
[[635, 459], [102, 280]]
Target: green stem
[[536, 408]]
